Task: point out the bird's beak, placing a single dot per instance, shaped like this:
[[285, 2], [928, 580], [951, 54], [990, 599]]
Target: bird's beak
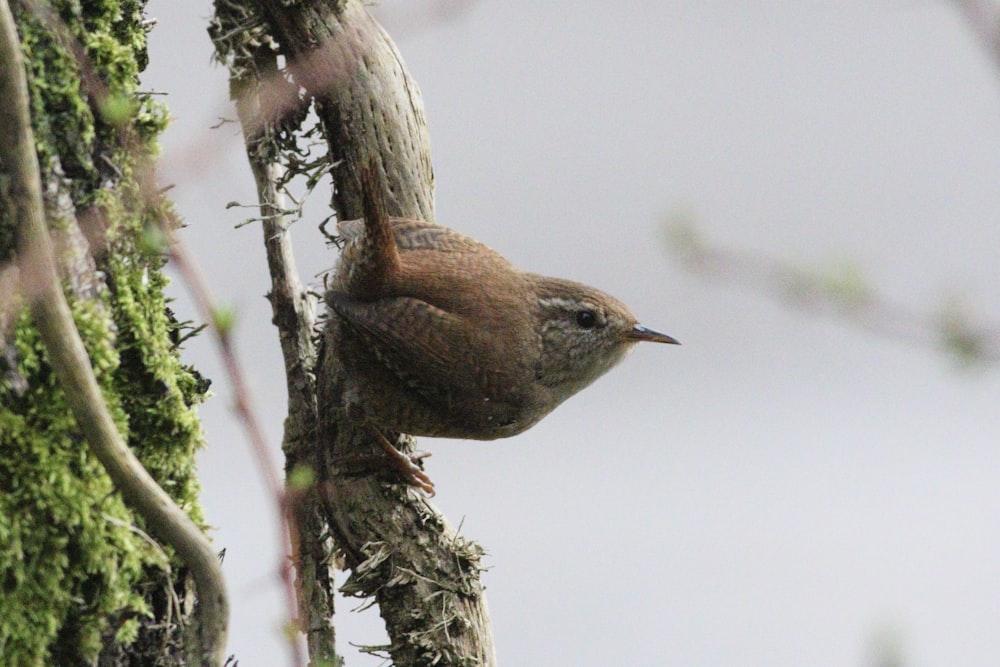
[[641, 333]]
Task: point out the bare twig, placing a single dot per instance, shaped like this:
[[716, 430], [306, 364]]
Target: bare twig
[[222, 325], [269, 110]]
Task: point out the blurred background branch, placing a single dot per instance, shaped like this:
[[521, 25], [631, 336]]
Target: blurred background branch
[[840, 289], [984, 17]]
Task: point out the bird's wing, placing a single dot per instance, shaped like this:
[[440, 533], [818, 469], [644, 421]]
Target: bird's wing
[[426, 347]]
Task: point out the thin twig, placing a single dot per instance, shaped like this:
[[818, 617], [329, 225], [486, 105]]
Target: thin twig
[[222, 327], [268, 110]]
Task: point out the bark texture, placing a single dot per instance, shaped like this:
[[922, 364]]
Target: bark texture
[[398, 548]]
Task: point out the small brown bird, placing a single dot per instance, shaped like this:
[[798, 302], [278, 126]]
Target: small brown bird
[[444, 337]]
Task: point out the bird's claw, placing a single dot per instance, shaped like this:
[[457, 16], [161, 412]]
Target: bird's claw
[[407, 465]]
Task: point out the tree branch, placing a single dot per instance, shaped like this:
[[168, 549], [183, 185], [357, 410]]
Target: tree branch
[[261, 98], [424, 577]]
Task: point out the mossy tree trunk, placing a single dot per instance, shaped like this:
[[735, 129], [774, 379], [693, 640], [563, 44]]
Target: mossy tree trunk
[[81, 581]]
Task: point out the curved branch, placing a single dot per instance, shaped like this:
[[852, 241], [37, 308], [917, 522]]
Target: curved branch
[[68, 356], [400, 549]]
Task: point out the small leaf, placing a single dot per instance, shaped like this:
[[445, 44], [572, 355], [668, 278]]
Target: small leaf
[[224, 319]]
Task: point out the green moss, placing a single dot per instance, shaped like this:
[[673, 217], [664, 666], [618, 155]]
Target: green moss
[[76, 574], [67, 561]]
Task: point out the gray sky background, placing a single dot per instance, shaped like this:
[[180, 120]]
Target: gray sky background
[[783, 489]]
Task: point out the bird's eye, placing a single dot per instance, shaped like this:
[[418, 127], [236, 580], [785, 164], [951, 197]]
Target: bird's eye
[[586, 319]]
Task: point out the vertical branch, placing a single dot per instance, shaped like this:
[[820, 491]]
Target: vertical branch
[[424, 576], [257, 87], [294, 316]]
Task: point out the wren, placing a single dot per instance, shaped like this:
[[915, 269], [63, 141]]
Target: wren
[[442, 336]]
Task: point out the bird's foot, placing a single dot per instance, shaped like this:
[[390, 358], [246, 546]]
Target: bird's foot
[[408, 466]]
